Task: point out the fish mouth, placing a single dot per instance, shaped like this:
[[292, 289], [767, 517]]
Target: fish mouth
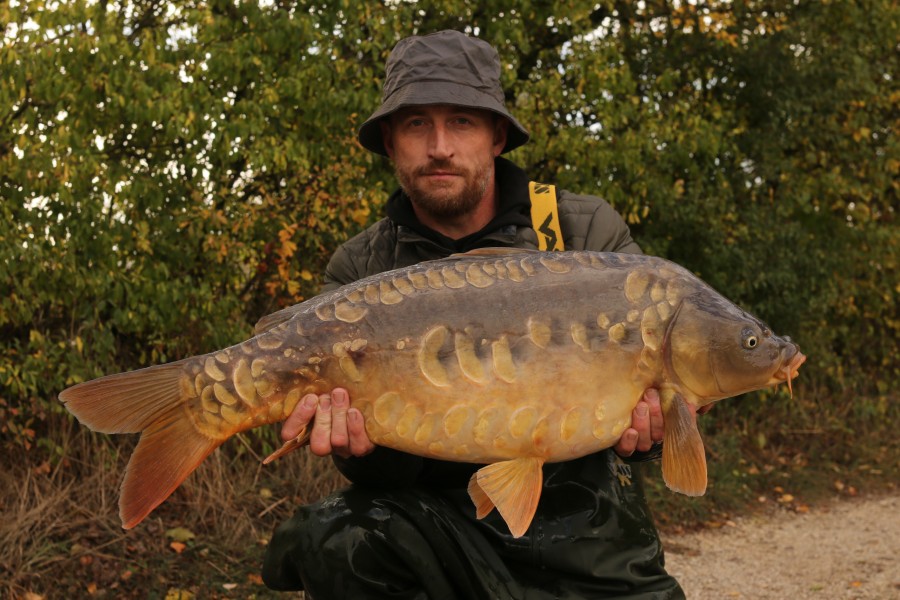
[[789, 370]]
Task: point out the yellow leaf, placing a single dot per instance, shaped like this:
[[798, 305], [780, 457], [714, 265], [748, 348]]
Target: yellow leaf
[[180, 534], [287, 249]]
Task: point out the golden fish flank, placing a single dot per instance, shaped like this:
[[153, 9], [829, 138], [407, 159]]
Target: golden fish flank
[[438, 370]]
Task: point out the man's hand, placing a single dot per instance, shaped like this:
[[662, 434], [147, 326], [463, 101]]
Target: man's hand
[[647, 425], [337, 428]]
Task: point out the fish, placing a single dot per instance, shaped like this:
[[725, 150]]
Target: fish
[[501, 357]]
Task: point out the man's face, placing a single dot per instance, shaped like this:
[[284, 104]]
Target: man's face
[[444, 155]]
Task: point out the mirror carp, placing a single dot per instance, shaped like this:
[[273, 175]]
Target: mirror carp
[[504, 357]]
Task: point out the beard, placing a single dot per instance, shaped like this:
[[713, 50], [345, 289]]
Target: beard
[[443, 202]]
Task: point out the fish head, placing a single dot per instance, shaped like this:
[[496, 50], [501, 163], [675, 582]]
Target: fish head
[[716, 350]]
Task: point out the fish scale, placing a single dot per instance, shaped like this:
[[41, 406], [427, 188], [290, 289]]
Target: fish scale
[[503, 357]]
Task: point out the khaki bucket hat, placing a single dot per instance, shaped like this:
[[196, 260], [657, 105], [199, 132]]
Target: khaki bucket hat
[[447, 67]]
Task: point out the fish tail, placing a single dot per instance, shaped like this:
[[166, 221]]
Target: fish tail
[[149, 401]]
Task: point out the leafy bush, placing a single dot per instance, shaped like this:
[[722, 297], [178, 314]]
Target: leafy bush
[[170, 172]]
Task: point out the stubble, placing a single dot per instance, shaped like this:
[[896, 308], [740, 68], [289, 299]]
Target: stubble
[[443, 203]]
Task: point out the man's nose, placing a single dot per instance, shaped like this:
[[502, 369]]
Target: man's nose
[[439, 146]]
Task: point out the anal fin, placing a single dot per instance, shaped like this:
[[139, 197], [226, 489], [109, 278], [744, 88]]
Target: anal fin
[[683, 457], [513, 487]]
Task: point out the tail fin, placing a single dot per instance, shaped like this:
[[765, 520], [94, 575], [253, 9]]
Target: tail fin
[[150, 401]]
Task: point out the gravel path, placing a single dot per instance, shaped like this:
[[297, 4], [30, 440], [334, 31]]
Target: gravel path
[[847, 549]]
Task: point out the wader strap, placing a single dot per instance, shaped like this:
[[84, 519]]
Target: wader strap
[[544, 216]]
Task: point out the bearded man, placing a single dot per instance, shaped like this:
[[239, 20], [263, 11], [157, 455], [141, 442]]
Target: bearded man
[[406, 527]]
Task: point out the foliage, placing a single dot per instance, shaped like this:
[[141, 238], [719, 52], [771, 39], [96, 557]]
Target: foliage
[[171, 171]]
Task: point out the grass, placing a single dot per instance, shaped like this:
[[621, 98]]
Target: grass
[[60, 536], [786, 453]]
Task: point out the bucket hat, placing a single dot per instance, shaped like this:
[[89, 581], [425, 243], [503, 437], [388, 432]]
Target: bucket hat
[[447, 67]]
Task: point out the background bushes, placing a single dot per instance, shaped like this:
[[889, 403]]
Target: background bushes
[[172, 171]]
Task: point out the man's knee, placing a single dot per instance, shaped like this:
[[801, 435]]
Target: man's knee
[[352, 532]]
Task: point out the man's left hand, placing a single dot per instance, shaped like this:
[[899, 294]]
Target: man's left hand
[[646, 426]]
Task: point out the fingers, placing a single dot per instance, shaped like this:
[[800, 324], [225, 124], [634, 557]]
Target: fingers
[[627, 443], [302, 414], [646, 426], [340, 437], [336, 428], [320, 437], [360, 444], [657, 427]]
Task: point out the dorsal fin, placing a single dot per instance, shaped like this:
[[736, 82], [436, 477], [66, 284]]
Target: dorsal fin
[[275, 319], [494, 251]]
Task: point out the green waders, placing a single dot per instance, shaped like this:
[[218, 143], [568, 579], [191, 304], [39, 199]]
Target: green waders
[[592, 537]]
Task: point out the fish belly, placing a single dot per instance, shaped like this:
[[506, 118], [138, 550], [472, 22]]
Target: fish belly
[[556, 411]]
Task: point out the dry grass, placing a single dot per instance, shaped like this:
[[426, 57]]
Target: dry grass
[[60, 536]]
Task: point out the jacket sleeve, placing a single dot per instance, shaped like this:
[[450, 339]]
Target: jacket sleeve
[[368, 253], [340, 270], [608, 232], [590, 223]]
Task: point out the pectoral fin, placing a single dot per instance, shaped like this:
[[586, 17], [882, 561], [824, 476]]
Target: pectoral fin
[[513, 487], [289, 446], [683, 459]]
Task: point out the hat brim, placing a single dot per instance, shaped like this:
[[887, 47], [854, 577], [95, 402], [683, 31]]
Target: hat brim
[[437, 92]]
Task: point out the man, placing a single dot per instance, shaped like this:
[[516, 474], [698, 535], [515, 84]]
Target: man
[[406, 528]]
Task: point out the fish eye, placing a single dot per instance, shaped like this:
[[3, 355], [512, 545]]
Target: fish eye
[[750, 340]]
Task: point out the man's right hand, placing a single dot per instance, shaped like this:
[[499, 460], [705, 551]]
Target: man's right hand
[[336, 428]]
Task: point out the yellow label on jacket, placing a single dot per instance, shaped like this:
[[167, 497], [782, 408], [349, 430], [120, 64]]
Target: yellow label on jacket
[[545, 216]]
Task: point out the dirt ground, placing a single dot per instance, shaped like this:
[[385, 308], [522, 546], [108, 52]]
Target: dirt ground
[[847, 549]]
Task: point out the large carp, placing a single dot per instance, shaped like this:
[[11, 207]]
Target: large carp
[[501, 357]]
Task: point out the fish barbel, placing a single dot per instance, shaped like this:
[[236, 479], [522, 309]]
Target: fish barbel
[[502, 357]]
